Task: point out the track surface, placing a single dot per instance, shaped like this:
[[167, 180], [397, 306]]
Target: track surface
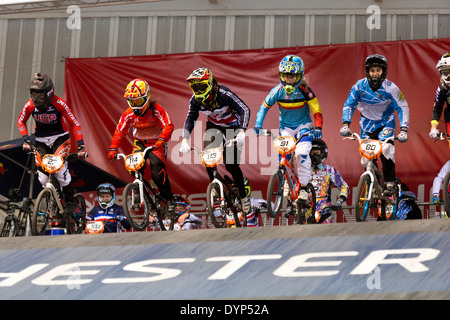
[[379, 260]]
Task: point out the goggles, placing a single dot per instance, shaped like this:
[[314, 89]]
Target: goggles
[[446, 74], [136, 103], [199, 88], [38, 96]]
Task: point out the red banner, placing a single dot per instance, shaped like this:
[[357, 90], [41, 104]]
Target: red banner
[[94, 90]]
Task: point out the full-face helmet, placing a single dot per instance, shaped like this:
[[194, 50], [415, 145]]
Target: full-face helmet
[[319, 152], [138, 96], [444, 68], [203, 85], [291, 65], [107, 188], [182, 205], [376, 60], [42, 90]]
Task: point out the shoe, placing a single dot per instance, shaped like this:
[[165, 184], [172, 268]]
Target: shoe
[[69, 208], [289, 211], [390, 189], [302, 195], [246, 204]]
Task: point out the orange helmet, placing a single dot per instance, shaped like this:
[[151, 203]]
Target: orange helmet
[[138, 95]]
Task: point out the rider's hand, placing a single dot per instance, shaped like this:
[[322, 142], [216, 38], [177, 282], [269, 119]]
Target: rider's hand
[[402, 136], [81, 152], [112, 154], [317, 133], [160, 143], [434, 133], [240, 138], [338, 204], [185, 147], [345, 130], [436, 198], [257, 130], [26, 146]]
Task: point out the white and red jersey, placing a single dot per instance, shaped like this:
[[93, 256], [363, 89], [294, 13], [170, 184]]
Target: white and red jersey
[[49, 122], [149, 127]]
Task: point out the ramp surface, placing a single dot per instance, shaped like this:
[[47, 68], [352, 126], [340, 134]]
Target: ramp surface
[[382, 260]]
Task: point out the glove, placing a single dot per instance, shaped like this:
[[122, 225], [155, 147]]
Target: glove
[[185, 147], [160, 143], [436, 198], [256, 130], [402, 136], [112, 154], [345, 130], [317, 133], [120, 218], [81, 152], [240, 138], [434, 133], [338, 204], [26, 146]]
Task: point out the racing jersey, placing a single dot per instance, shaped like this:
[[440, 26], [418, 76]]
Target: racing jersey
[[230, 111], [294, 108], [107, 215], [323, 177], [442, 96], [437, 182], [49, 122], [376, 108], [150, 126]]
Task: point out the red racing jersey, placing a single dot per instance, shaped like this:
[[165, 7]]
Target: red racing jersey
[[49, 122], [149, 127]]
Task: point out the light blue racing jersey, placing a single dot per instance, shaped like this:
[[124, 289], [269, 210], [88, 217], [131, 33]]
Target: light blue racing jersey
[[376, 108], [294, 108]]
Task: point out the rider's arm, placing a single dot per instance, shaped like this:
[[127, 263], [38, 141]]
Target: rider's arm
[[165, 122], [191, 118], [439, 101], [62, 107], [23, 118], [313, 105], [401, 106], [268, 102], [240, 109], [338, 181], [351, 103], [122, 129], [437, 182]]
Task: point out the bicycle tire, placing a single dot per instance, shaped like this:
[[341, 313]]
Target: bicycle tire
[[213, 206], [362, 204], [161, 206], [275, 193], [9, 227], [24, 222], [136, 211], [76, 222], [445, 193], [42, 212], [388, 208], [306, 210]]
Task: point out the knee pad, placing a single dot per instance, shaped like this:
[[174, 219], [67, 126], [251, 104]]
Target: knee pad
[[389, 151]]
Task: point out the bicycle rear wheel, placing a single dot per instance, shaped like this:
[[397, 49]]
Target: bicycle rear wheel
[[362, 202], [136, 210], [275, 193], [42, 212], [306, 210], [446, 193], [76, 223]]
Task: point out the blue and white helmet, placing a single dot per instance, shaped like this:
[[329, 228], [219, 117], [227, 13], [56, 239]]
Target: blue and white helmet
[[291, 64], [106, 188]]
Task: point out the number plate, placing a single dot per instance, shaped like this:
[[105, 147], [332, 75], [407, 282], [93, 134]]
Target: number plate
[[211, 157], [94, 227], [52, 163], [284, 145], [370, 149], [134, 161]]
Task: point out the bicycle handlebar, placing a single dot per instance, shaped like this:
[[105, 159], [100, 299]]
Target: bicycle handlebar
[[226, 144], [355, 136], [442, 136], [123, 156]]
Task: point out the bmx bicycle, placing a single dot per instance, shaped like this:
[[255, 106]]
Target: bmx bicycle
[[49, 204], [369, 199], [446, 182], [222, 198], [20, 225], [141, 200], [283, 183]]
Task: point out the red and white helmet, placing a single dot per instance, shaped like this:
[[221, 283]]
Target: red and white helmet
[[444, 67], [138, 95]]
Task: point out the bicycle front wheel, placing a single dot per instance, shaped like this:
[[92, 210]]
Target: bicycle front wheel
[[362, 201], [216, 212], [445, 193], [306, 210], [275, 193], [76, 223], [42, 212], [136, 210]]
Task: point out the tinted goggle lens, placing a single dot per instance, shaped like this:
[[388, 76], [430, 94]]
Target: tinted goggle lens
[[136, 103], [199, 88]]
